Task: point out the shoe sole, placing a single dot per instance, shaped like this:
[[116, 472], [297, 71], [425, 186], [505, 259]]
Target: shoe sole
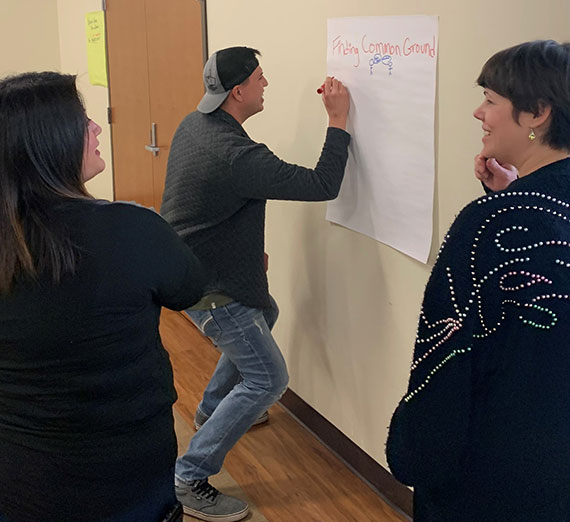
[[260, 420], [215, 518]]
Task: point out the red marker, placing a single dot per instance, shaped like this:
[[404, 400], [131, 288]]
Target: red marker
[[321, 89]]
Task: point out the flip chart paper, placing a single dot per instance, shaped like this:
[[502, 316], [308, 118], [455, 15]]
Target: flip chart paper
[[389, 66]]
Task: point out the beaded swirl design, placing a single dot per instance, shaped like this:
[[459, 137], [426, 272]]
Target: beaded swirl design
[[522, 290]]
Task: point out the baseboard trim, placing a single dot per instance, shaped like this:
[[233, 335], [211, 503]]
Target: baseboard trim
[[365, 466]]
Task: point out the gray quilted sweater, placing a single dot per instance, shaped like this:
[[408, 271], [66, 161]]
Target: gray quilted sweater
[[217, 184]]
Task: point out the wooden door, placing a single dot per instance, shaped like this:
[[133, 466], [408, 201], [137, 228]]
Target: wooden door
[[156, 54]]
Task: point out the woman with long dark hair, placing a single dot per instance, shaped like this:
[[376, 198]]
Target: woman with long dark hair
[[483, 433], [86, 388]]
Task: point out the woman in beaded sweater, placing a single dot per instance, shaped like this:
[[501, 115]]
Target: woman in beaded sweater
[[483, 433]]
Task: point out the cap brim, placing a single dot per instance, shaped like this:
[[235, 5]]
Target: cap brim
[[210, 102]]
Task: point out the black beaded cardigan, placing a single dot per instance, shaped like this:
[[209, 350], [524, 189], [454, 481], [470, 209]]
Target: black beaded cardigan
[[483, 432]]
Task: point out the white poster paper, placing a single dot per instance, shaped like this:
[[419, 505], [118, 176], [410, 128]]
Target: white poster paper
[[389, 65]]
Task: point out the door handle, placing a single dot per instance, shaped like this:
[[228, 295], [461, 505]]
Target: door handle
[[152, 147]]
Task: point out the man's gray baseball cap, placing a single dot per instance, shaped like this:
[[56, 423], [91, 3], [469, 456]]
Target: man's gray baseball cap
[[223, 71]]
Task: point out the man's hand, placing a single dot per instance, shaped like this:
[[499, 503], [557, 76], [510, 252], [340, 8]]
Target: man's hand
[[266, 261], [337, 102], [494, 175]]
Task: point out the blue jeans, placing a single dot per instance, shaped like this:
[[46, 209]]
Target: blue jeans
[[251, 375]]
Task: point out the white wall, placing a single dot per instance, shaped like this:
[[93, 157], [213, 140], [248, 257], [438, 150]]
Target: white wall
[[349, 305], [28, 36], [73, 52]]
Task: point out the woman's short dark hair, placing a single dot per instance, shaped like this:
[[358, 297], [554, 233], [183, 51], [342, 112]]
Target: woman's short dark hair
[[42, 134], [531, 75]]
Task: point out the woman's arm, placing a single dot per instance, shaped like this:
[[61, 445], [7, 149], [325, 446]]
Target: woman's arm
[[428, 432]]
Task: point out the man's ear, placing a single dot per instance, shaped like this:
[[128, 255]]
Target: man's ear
[[236, 93]]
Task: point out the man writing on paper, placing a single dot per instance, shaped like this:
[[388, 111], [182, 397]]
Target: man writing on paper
[[217, 184]]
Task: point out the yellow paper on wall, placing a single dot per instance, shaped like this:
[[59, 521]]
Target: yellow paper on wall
[[96, 51]]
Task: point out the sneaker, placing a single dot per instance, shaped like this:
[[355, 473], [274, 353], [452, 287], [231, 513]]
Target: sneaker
[[203, 501], [200, 418]]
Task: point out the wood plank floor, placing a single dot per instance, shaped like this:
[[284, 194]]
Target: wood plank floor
[[282, 467]]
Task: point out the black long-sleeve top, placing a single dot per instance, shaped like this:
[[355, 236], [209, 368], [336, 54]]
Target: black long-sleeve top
[[86, 387], [483, 433], [217, 183]]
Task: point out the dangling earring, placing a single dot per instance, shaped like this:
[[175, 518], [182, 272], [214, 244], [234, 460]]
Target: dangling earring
[[532, 135]]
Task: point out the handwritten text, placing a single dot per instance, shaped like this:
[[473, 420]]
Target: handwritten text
[[380, 49]]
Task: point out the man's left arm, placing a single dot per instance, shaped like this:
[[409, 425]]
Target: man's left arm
[[259, 174]]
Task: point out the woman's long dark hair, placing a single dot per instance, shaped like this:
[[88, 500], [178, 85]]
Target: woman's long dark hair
[[43, 127]]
